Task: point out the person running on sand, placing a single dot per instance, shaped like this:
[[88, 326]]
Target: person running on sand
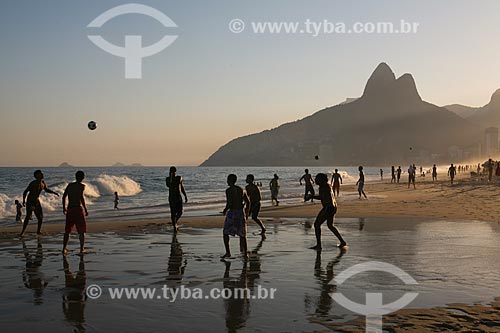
[[237, 207], [116, 201], [327, 213], [19, 211], [309, 186], [361, 183], [452, 171], [399, 173], [274, 185], [32, 203], [434, 173], [76, 211], [253, 193], [175, 188], [336, 181]]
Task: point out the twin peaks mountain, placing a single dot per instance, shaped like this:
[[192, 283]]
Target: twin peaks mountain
[[389, 124]]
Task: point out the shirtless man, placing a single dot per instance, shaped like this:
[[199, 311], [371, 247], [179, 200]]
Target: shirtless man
[[76, 211], [327, 212], [32, 204], [175, 188], [336, 181], [307, 178], [254, 195]]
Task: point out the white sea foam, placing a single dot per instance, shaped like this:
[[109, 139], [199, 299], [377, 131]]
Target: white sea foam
[[125, 186]]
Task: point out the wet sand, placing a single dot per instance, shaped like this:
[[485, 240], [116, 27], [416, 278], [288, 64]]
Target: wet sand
[[43, 291]]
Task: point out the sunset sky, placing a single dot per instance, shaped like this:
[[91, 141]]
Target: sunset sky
[[212, 85]]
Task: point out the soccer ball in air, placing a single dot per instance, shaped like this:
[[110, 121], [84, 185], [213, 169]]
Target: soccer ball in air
[[92, 125]]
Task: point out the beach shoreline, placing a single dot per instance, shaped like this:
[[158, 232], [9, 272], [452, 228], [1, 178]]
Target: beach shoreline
[[468, 199]]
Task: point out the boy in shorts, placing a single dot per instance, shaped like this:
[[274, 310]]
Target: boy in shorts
[[235, 223], [76, 211]]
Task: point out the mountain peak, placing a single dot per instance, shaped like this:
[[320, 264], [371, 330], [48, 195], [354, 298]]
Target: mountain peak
[[406, 89], [381, 77], [495, 98]]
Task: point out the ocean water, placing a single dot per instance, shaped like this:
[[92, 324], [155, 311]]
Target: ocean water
[[143, 193]]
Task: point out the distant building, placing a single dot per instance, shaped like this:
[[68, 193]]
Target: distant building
[[491, 141]]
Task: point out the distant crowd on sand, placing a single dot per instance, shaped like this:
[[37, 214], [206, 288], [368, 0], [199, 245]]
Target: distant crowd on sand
[[241, 203]]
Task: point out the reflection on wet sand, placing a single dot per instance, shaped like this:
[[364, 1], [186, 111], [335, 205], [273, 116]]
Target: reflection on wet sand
[[33, 278], [74, 296], [324, 278], [238, 306], [176, 262]]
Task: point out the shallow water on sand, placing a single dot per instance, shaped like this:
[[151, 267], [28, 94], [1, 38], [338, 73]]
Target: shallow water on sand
[[452, 262]]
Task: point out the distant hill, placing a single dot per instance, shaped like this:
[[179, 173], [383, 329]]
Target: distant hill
[[65, 165], [485, 116], [376, 129], [118, 165]]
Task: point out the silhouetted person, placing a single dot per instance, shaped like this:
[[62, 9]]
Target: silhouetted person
[[381, 174], [254, 195], [361, 183], [74, 296], [393, 174], [478, 169], [19, 211], [411, 175], [175, 188], [33, 278], [434, 173], [490, 169], [328, 211], [336, 181], [452, 171], [309, 182], [235, 224], [274, 186], [399, 173], [76, 212], [116, 201], [32, 203]]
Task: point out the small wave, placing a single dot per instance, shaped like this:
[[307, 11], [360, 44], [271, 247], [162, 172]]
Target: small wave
[[125, 186], [7, 206]]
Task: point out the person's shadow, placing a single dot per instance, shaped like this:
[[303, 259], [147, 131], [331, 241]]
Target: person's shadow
[[238, 305], [74, 296], [324, 278], [176, 263], [33, 278]]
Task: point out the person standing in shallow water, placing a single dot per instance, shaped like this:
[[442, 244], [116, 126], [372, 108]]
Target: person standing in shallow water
[[116, 201], [274, 185], [336, 181], [399, 173], [76, 212], [32, 203], [237, 207], [327, 213], [361, 183], [175, 188], [254, 195], [309, 186]]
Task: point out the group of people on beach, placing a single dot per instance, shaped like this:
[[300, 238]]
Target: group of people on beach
[[240, 205]]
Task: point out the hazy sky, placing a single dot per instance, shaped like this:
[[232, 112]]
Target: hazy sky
[[212, 85]]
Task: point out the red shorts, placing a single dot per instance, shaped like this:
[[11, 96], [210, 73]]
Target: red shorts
[[75, 217]]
